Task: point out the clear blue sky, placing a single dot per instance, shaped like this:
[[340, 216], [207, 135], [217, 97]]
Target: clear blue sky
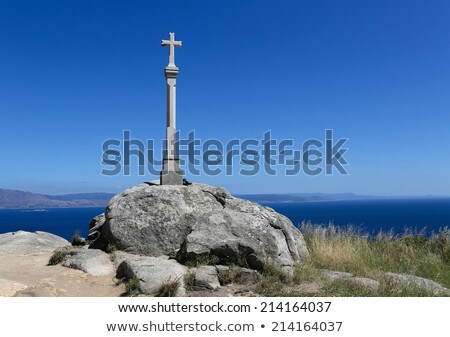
[[75, 73]]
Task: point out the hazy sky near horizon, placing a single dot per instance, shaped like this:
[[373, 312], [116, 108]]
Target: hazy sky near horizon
[[76, 73]]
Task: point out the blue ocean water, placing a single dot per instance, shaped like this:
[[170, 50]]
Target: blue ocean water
[[63, 222], [368, 215], [373, 215]]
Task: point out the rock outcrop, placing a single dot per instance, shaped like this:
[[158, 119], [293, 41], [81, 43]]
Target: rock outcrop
[[95, 226], [21, 242], [198, 221]]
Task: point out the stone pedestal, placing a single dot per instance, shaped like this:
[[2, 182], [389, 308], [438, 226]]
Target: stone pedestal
[[171, 173]]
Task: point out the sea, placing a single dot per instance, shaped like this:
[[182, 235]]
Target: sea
[[369, 216]]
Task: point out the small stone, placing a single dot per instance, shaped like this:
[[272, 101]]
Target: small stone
[[420, 282], [365, 282], [206, 278], [332, 275], [152, 273], [92, 261], [247, 276]]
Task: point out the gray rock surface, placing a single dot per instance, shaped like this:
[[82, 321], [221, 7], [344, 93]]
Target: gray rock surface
[[91, 261], [206, 278], [420, 282], [152, 272], [22, 243], [200, 220], [365, 282], [332, 275], [247, 276]]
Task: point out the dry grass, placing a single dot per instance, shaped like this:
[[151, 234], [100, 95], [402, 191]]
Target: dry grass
[[168, 289], [351, 251]]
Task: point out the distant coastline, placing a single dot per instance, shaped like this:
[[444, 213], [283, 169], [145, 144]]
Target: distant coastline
[[15, 199]]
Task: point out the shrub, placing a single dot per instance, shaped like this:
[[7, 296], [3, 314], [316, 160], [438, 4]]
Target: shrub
[[132, 287], [271, 270], [111, 248], [58, 256], [203, 260], [77, 240]]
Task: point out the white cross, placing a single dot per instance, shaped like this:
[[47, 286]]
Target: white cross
[[172, 44]]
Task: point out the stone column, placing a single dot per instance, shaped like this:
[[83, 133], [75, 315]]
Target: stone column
[[171, 173]]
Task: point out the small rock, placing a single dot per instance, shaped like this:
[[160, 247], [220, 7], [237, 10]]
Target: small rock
[[365, 282], [247, 276], [332, 275], [420, 282], [92, 261], [206, 278], [152, 272], [308, 289]]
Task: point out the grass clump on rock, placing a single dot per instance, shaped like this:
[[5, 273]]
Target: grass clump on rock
[[111, 250], [189, 280], [132, 287], [168, 289]]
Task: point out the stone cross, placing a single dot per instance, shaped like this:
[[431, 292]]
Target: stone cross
[[172, 44], [171, 173]]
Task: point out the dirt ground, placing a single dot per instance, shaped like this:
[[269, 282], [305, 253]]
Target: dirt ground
[[29, 275]]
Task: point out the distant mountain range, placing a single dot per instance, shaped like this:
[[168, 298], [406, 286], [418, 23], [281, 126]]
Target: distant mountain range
[[302, 197], [10, 199], [305, 197], [13, 199]]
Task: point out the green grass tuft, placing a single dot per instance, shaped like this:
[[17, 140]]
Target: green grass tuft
[[189, 280], [132, 287]]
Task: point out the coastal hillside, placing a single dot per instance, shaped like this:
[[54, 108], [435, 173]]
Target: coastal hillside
[[13, 199]]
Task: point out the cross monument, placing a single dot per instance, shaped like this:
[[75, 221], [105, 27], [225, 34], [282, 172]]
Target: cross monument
[[171, 173]]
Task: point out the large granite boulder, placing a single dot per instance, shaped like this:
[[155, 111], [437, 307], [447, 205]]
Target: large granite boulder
[[24, 243], [200, 221]]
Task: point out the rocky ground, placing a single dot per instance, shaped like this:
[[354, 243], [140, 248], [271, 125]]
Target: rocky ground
[[24, 271]]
